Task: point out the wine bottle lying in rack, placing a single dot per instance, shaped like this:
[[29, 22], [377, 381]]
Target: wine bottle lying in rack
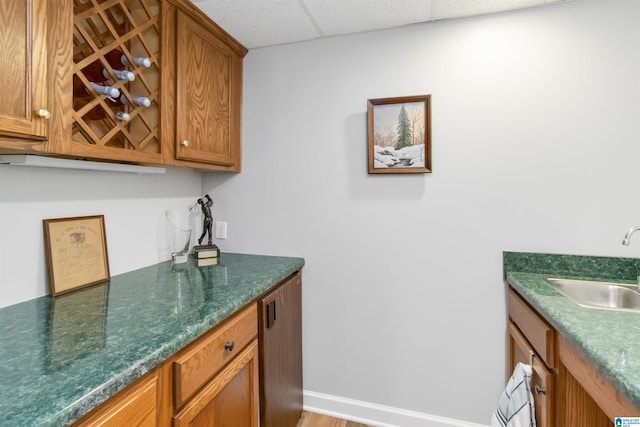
[[121, 115], [140, 101], [109, 91], [95, 72], [119, 61], [138, 60], [121, 74]]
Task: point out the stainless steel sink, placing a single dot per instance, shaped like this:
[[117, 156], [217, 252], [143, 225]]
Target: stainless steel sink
[[607, 295]]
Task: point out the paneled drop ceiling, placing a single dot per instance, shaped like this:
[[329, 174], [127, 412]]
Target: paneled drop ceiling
[[260, 23]]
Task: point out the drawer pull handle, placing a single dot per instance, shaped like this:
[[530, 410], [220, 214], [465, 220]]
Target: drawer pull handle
[[229, 345], [271, 314], [185, 143], [539, 390]]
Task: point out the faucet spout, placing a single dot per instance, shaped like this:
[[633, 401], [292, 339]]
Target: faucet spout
[[627, 237]]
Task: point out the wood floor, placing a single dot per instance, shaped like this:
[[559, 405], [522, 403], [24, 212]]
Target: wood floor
[[310, 419]]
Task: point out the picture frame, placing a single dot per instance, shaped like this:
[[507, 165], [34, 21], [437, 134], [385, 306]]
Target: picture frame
[[399, 135], [75, 252]]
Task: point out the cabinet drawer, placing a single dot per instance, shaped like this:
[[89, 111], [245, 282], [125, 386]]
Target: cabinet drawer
[[538, 332], [199, 362]]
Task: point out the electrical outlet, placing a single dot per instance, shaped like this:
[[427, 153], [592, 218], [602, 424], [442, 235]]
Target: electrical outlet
[[221, 229]]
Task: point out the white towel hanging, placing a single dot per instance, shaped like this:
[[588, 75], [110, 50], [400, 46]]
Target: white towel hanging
[[516, 408]]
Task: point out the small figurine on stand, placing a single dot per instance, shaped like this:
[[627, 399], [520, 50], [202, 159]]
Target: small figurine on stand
[[208, 219], [206, 254]]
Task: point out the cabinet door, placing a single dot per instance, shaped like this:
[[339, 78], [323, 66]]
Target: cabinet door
[[280, 337], [542, 383], [23, 68], [229, 399], [208, 85]]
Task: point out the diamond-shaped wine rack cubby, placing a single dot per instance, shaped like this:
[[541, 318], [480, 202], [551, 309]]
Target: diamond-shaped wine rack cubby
[[117, 49]]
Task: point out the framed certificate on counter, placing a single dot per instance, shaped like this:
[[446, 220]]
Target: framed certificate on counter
[[76, 252]]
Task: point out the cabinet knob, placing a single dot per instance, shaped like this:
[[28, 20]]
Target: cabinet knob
[[44, 113], [539, 390], [229, 345], [185, 143]]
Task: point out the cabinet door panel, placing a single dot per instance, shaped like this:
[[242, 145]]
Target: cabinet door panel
[[542, 384], [281, 355], [23, 67], [542, 387], [229, 403], [207, 122]]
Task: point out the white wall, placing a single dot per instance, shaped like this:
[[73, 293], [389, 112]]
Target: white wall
[[133, 207], [535, 148]]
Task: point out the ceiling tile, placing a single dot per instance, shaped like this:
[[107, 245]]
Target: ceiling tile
[[447, 9], [257, 23], [335, 17]]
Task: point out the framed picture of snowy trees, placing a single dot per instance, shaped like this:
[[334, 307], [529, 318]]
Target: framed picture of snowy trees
[[399, 134]]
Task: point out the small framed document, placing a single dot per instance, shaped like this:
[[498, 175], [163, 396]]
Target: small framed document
[[76, 253]]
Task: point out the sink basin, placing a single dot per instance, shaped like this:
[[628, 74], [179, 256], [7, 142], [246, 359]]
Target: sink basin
[[607, 295]]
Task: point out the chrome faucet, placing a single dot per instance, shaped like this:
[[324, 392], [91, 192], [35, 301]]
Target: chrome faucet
[[627, 236]]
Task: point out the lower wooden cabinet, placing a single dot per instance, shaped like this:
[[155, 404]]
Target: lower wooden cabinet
[[245, 372], [198, 363], [537, 349], [567, 390], [216, 377], [280, 337], [229, 399], [135, 407]]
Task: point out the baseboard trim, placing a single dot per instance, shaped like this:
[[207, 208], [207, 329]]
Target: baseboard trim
[[374, 414]]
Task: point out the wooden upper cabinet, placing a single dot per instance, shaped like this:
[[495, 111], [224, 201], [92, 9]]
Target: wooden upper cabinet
[[109, 38], [208, 92], [54, 52], [24, 108]]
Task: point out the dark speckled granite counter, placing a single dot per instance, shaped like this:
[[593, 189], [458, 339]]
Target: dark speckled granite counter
[[609, 339], [62, 357]]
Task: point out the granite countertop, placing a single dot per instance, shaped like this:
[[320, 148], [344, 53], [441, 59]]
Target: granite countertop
[[609, 339], [61, 357]]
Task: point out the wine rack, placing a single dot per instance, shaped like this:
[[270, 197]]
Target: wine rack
[[110, 36]]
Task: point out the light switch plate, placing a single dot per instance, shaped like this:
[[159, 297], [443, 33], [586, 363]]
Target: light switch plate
[[221, 229]]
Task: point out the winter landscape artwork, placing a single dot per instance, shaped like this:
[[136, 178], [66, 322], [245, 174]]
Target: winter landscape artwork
[[399, 134]]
